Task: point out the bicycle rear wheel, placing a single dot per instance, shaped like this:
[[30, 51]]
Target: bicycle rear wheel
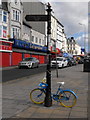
[[67, 99], [37, 96]]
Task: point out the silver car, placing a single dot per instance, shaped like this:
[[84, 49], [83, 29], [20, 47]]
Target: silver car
[[30, 62]]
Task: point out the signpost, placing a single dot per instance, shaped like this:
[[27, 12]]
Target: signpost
[[37, 18], [47, 18]]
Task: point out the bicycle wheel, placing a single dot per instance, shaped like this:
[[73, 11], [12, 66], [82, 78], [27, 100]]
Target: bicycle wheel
[[67, 99], [37, 96]]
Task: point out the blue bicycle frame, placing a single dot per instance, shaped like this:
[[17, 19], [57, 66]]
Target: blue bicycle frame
[[59, 91]]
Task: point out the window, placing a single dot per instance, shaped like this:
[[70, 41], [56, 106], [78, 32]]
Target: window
[[0, 15], [39, 41], [13, 14], [0, 31], [16, 15], [4, 31], [36, 40], [15, 32], [32, 38], [4, 16]]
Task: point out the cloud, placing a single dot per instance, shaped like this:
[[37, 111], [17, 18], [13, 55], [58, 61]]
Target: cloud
[[65, 0], [70, 14], [82, 40]]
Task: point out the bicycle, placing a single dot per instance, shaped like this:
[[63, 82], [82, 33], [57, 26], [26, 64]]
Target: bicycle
[[67, 98]]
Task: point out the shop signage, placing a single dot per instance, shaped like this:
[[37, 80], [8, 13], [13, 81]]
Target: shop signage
[[5, 46]]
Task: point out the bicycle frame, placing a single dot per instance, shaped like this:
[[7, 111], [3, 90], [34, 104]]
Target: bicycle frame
[[58, 92]]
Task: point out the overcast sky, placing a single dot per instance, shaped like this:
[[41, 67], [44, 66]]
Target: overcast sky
[[70, 14]]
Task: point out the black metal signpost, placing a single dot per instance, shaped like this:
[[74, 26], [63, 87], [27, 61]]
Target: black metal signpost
[[48, 100]]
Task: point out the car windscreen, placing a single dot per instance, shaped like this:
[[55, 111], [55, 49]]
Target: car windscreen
[[58, 59], [27, 59]]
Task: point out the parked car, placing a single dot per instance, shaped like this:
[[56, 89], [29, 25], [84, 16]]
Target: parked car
[[69, 61], [61, 62], [30, 62], [81, 60], [73, 61]]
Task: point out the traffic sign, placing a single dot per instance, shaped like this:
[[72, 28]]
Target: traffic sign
[[36, 18]]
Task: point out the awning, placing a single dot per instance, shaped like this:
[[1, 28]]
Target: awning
[[57, 51], [67, 55]]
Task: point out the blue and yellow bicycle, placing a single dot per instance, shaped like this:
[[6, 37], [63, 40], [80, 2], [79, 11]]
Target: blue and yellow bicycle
[[66, 98]]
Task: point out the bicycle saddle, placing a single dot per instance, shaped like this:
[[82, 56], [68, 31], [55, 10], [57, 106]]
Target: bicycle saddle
[[62, 83]]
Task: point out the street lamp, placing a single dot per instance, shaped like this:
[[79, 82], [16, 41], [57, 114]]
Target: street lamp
[[84, 36]]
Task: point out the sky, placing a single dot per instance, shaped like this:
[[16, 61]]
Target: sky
[[70, 14]]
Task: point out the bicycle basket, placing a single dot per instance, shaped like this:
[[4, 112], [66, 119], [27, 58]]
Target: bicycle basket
[[43, 85]]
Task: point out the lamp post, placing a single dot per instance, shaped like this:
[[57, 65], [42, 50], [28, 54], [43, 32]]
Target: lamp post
[[84, 36]]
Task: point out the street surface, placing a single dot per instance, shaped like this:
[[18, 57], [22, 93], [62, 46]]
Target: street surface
[[16, 102], [15, 73]]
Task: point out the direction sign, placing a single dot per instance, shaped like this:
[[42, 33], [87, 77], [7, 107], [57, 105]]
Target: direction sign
[[36, 18]]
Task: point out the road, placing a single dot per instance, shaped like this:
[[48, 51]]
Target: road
[[15, 73], [16, 102]]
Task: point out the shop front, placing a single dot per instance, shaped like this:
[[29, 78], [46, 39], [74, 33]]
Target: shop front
[[5, 53], [22, 49]]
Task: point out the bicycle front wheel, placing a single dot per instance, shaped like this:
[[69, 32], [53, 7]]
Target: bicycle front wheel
[[67, 99], [37, 96]]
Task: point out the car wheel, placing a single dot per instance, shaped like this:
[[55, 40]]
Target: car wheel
[[62, 65], [29, 66], [37, 65], [19, 67]]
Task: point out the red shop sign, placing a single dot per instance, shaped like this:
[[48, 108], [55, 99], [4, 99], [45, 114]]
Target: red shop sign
[[5, 46]]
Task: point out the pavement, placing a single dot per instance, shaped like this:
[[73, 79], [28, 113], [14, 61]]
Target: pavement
[[16, 102]]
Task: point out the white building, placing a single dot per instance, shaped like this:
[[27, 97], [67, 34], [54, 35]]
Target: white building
[[15, 19], [37, 38], [4, 22], [59, 41], [26, 32], [53, 32], [64, 42], [77, 49]]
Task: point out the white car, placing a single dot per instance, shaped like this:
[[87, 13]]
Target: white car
[[29, 62], [61, 62]]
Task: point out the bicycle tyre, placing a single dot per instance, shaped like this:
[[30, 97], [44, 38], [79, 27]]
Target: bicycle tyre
[[37, 96], [67, 103]]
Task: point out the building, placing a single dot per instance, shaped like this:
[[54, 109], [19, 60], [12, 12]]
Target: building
[[15, 19], [71, 45], [77, 49], [64, 43], [4, 23], [38, 35], [5, 45], [20, 39], [60, 29]]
